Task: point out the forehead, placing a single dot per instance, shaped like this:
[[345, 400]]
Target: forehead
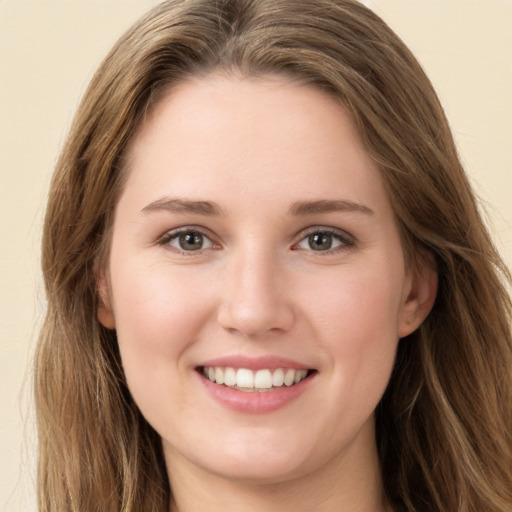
[[250, 137]]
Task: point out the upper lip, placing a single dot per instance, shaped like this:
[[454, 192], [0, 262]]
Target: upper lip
[[269, 362]]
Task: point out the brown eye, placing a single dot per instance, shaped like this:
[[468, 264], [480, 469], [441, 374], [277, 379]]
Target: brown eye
[[187, 241], [325, 240], [320, 241], [191, 241]]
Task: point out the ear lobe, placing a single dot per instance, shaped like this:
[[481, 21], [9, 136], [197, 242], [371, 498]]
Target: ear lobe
[[105, 313], [420, 298]]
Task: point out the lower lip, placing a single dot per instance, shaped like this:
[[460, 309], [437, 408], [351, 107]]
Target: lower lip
[[255, 402]]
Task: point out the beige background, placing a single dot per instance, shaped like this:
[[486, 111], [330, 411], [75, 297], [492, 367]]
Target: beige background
[[48, 52]]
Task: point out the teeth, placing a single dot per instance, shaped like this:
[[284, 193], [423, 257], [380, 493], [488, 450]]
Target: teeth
[[219, 376], [298, 377], [244, 378], [289, 377], [278, 378], [230, 377], [261, 379]]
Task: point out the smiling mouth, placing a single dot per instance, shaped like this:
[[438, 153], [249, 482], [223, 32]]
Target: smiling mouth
[[262, 380]]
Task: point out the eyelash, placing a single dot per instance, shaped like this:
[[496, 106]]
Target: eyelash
[[346, 240], [168, 237]]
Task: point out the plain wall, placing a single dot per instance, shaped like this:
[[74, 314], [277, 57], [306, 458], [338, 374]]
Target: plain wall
[[48, 52]]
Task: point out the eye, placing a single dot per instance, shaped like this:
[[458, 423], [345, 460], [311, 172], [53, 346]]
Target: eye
[[324, 240], [187, 240]]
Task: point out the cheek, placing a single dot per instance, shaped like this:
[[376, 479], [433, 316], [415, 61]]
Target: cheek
[[158, 313], [358, 301], [357, 322]]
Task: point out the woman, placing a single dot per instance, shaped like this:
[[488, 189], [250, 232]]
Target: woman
[[268, 283]]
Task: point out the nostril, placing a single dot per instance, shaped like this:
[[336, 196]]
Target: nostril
[[258, 320]]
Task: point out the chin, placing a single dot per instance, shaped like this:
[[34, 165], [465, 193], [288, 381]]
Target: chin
[[259, 472], [258, 459]]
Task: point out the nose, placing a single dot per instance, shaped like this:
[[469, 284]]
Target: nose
[[254, 299]]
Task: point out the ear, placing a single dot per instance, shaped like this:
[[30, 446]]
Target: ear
[[105, 313], [420, 295]]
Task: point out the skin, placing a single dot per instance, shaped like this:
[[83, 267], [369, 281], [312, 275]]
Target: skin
[[254, 148]]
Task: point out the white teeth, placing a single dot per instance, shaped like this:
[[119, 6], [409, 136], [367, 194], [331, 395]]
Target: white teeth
[[219, 376], [263, 379], [289, 377], [230, 377], [244, 378], [278, 378], [299, 375], [260, 380]]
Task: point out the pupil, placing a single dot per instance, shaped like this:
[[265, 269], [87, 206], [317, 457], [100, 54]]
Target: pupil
[[320, 241], [191, 241]]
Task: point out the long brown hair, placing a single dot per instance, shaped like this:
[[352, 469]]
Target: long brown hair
[[444, 425]]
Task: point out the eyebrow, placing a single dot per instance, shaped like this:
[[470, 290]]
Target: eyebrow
[[299, 208], [328, 206], [176, 205]]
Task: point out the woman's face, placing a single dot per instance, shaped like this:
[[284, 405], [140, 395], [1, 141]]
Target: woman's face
[[254, 245]]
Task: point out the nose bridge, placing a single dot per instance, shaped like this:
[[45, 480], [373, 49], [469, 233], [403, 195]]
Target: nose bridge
[[254, 299]]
